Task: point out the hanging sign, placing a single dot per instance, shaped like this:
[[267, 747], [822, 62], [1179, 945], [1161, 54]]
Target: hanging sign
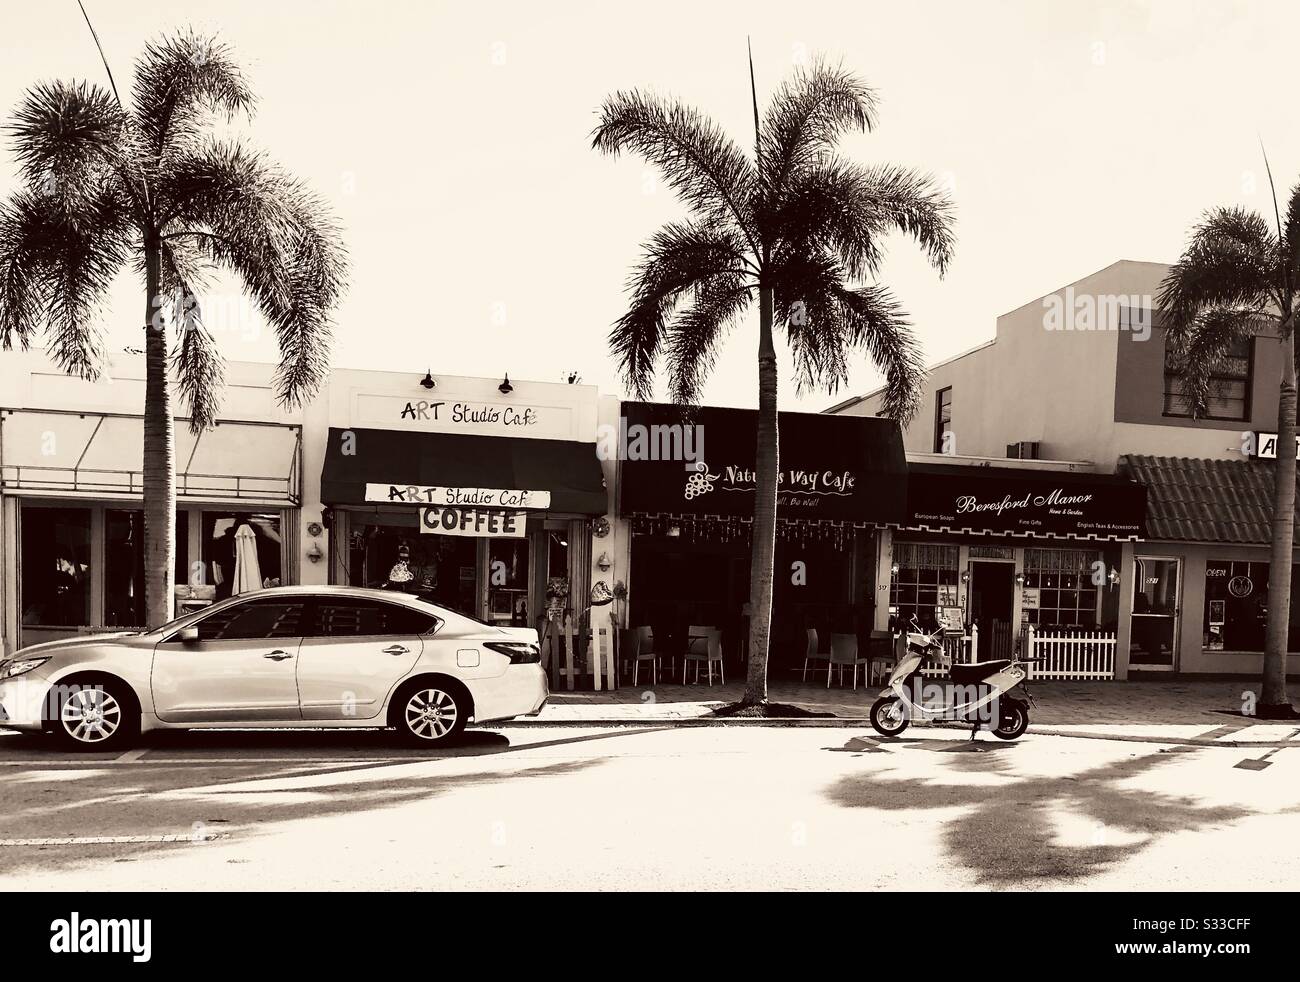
[[487, 523], [409, 494], [1266, 446]]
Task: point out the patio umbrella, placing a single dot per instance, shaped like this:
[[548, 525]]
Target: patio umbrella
[[248, 572]]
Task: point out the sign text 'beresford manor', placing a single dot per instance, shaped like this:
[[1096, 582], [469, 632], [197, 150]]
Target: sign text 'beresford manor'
[[1058, 498]]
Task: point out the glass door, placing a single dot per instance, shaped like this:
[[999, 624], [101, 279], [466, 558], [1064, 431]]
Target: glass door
[[1153, 641]]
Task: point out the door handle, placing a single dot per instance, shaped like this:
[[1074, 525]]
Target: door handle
[[277, 655], [396, 649]]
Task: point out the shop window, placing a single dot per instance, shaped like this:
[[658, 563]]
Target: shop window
[[438, 568], [240, 551], [926, 578], [364, 618], [55, 566], [1236, 606], [508, 581], [1229, 395], [255, 620], [124, 565], [942, 417], [1062, 584]]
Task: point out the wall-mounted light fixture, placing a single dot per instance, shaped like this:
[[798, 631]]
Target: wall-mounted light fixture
[[603, 563], [505, 388], [893, 570], [1113, 577], [428, 381], [314, 554], [965, 577], [1020, 579]]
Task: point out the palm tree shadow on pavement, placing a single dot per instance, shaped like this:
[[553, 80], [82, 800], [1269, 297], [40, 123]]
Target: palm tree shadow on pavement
[[1007, 833]]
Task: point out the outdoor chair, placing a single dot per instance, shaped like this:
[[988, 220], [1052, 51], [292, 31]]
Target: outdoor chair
[[812, 654], [706, 649], [639, 646], [844, 651]]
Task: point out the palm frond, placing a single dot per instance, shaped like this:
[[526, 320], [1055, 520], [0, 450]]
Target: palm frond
[[196, 362], [1199, 349], [826, 321], [700, 163], [243, 212], [677, 258], [695, 334], [807, 115], [58, 256], [1291, 243], [66, 136], [850, 210], [179, 80], [1231, 261]]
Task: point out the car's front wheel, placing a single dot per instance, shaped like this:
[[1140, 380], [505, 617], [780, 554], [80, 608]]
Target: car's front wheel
[[95, 716], [430, 712]]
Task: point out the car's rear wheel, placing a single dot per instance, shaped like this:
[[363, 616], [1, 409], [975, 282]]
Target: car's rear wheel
[[95, 716], [430, 712]]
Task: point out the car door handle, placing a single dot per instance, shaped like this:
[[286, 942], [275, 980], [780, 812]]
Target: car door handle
[[396, 649], [277, 655]]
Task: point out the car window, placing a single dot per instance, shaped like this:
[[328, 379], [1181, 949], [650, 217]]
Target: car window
[[349, 617], [254, 620]]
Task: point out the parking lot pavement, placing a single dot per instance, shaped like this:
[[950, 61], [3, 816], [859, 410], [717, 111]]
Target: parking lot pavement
[[654, 805]]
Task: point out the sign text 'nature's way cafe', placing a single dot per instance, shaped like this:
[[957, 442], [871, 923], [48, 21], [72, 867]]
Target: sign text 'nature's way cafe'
[[483, 512]]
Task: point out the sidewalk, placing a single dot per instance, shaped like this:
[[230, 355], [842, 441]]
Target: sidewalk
[[1155, 711]]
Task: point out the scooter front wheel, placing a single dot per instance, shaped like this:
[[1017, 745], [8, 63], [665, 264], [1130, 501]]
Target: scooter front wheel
[[1012, 722], [889, 716]]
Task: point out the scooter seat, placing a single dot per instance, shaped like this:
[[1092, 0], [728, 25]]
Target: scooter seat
[[978, 671]]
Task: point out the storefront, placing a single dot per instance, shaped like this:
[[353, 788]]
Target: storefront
[[73, 524], [1202, 585], [483, 498], [1004, 550], [687, 494]]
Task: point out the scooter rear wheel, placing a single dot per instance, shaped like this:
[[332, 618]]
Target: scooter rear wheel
[[889, 716], [1013, 721]]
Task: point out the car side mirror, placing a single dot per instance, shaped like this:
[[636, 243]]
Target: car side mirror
[[188, 635]]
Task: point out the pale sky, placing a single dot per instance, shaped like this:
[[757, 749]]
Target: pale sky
[[486, 236]]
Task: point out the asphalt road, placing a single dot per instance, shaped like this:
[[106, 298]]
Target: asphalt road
[[652, 806]]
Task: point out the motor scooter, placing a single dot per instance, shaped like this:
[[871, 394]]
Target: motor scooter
[[991, 693]]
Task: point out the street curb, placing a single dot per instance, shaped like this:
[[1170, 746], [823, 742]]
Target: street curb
[[837, 722]]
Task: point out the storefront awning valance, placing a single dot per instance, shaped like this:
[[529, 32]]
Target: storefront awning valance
[[1010, 501], [568, 470], [61, 452], [700, 461], [1195, 500]]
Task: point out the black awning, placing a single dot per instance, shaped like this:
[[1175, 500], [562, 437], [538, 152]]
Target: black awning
[[846, 469], [356, 457], [1010, 501]]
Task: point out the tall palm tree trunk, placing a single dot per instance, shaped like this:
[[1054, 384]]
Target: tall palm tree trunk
[[1273, 700], [159, 452], [763, 547]]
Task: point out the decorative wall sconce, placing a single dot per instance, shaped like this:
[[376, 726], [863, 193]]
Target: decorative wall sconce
[[1020, 579], [1113, 577], [603, 563], [965, 577], [505, 388], [314, 554], [893, 570], [428, 381]]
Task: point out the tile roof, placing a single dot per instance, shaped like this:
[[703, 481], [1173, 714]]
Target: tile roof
[[1198, 500]]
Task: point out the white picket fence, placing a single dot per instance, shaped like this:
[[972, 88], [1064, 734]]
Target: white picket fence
[[1077, 655], [958, 649]]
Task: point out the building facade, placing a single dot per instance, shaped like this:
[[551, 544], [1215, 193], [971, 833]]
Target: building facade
[[343, 490], [1081, 380]]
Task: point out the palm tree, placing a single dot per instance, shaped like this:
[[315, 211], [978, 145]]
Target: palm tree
[[1237, 278], [796, 227], [107, 185]]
